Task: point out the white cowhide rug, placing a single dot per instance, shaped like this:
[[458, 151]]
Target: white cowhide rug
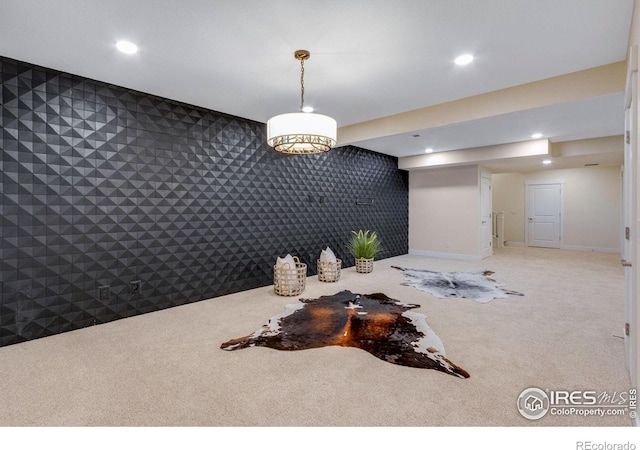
[[478, 286]]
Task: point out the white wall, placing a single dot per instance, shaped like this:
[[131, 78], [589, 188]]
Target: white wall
[[508, 197], [592, 202], [444, 207]]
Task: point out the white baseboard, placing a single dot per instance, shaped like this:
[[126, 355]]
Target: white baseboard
[[581, 248], [445, 255], [569, 247]]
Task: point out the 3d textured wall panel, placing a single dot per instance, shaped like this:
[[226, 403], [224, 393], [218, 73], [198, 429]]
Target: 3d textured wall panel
[[102, 186]]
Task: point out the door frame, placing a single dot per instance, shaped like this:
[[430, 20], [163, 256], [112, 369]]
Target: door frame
[[631, 206], [486, 252], [629, 246], [529, 183]]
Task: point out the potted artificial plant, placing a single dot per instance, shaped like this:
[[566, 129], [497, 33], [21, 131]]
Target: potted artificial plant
[[364, 246]]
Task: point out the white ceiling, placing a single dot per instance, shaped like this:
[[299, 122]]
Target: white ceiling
[[369, 58]]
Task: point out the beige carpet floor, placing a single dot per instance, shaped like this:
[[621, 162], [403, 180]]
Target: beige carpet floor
[[166, 368]]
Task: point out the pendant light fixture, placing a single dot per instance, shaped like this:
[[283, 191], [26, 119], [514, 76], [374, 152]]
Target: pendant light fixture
[[301, 132]]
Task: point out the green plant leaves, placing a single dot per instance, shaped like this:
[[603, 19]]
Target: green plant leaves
[[364, 244]]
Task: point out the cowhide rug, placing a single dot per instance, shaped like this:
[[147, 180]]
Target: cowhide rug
[[478, 286], [384, 327]]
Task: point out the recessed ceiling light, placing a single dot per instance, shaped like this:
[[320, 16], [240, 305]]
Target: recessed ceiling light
[[463, 60], [307, 109], [127, 47], [428, 150], [546, 161], [536, 135]]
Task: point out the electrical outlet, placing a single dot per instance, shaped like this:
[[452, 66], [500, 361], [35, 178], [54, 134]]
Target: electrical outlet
[[104, 292], [134, 287]]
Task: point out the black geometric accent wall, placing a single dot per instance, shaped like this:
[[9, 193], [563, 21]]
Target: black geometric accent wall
[[102, 186]]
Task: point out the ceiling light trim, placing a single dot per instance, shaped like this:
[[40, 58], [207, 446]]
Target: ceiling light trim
[[464, 59], [127, 47]]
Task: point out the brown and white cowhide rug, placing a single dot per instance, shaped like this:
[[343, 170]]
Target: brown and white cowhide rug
[[478, 286], [384, 327]]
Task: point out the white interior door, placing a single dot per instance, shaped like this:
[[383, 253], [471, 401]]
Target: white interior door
[[485, 215], [544, 211], [628, 250], [631, 245]]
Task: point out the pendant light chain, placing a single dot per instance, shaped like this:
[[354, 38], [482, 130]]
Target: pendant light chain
[[301, 84]]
